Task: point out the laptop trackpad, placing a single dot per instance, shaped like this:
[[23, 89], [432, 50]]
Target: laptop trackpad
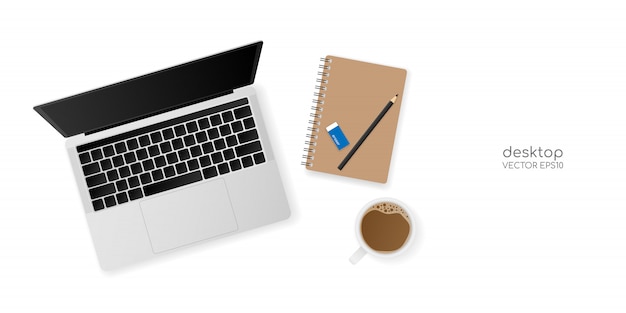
[[188, 215]]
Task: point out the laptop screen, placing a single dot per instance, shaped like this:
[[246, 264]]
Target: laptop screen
[[153, 93]]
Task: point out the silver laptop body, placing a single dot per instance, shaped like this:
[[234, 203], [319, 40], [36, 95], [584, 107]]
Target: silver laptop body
[[208, 181]]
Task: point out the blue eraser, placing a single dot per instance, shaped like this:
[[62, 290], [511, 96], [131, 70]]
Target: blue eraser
[[336, 134]]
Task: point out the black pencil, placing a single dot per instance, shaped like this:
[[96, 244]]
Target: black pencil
[[367, 132]]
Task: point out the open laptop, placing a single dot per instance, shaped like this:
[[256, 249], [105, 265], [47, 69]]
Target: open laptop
[[172, 158]]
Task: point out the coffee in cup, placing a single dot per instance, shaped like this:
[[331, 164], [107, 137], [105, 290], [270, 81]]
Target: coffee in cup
[[384, 228]]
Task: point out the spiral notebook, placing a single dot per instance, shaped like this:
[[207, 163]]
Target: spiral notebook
[[351, 94]]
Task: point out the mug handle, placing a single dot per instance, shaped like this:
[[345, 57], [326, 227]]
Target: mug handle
[[357, 255]]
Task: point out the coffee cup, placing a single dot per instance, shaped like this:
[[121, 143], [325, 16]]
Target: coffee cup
[[385, 228]]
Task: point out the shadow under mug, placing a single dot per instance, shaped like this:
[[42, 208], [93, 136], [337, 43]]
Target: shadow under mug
[[364, 248]]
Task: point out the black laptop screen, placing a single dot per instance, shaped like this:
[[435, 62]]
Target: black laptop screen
[[153, 93]]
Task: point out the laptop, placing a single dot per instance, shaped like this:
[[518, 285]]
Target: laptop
[[172, 158]]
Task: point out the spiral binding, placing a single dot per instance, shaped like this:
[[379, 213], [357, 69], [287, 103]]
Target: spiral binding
[[317, 109]]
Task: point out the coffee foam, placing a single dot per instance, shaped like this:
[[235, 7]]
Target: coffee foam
[[389, 208]]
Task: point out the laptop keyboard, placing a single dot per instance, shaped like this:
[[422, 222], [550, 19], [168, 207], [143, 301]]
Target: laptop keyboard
[[170, 154]]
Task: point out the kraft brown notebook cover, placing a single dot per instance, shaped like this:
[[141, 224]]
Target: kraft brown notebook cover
[[352, 94]]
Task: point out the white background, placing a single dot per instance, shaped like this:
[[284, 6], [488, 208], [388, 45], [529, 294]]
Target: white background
[[481, 77]]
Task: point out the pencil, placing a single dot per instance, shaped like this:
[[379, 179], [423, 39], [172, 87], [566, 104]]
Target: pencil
[[367, 133]]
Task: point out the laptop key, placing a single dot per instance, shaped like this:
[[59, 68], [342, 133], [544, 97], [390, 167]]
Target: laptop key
[[180, 130], [213, 133], [209, 172], [225, 130], [130, 157], [236, 126], [183, 154], [169, 171], [121, 185], [205, 161], [96, 154], [177, 143], [153, 151], [84, 158], [148, 165], [157, 175], [259, 158], [181, 168], [109, 201], [160, 161], [172, 158], [101, 191], [165, 147], [120, 148], [145, 178], [248, 136], [201, 137], [135, 194], [196, 151], [229, 154], [124, 171], [112, 175], [133, 182], [98, 204], [121, 198], [118, 160], [108, 151], [132, 144], [219, 144], [190, 140], [142, 154], [156, 137], [235, 165], [248, 123], [106, 164], [193, 164], [96, 180], [216, 120], [204, 123], [168, 134], [227, 116], [217, 157], [247, 161], [136, 168], [91, 168], [192, 127], [231, 140], [242, 112], [248, 148], [223, 168], [144, 140], [172, 183]]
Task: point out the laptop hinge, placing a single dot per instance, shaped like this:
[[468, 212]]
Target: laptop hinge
[[162, 111]]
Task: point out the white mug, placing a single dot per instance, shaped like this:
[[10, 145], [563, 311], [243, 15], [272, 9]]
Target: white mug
[[364, 248]]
